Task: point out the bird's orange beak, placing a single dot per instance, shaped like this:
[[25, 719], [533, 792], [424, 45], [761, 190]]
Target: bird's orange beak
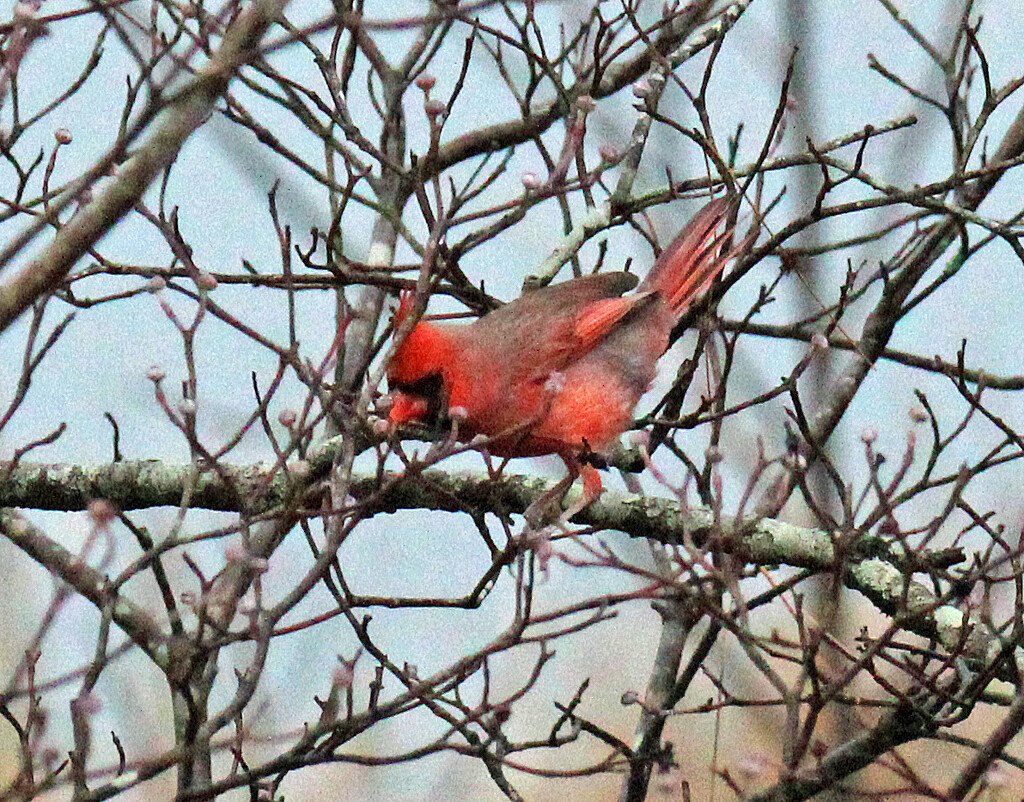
[[406, 409]]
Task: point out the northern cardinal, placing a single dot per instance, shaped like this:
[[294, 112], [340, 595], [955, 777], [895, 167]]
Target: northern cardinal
[[560, 369]]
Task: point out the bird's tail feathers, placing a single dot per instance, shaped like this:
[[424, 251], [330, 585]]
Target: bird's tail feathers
[[686, 268]]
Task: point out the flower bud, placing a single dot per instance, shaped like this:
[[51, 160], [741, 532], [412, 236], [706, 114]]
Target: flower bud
[[102, 512], [206, 281], [344, 674], [234, 553], [26, 10], [531, 181], [641, 88]]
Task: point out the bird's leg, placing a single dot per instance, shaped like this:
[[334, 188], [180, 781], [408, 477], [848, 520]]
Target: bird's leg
[[592, 489], [541, 510], [545, 508]]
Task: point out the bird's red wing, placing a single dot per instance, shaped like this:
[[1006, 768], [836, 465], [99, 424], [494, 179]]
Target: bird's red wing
[[598, 319], [550, 328]]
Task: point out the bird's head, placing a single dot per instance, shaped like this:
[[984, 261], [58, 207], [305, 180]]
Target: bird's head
[[416, 373]]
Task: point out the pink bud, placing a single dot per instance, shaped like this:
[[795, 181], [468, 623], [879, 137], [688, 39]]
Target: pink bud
[[642, 88], [234, 553], [869, 435], [26, 10], [63, 136], [753, 767], [531, 181], [287, 418], [918, 414], [434, 108], [156, 374], [187, 406], [206, 281], [344, 674], [426, 82], [640, 438], [102, 512], [156, 284], [819, 341]]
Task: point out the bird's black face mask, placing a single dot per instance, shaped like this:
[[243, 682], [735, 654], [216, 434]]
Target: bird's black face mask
[[430, 391]]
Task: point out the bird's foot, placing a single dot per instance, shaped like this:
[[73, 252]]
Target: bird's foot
[[541, 513], [547, 508]]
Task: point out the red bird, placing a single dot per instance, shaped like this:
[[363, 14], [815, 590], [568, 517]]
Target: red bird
[[560, 369]]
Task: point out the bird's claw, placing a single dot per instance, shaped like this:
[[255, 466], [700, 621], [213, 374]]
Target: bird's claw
[[542, 512]]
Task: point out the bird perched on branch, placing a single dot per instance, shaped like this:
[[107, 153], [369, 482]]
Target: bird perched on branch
[[561, 369]]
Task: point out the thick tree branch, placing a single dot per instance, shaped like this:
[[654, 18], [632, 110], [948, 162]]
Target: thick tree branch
[[87, 581], [878, 569], [900, 726]]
